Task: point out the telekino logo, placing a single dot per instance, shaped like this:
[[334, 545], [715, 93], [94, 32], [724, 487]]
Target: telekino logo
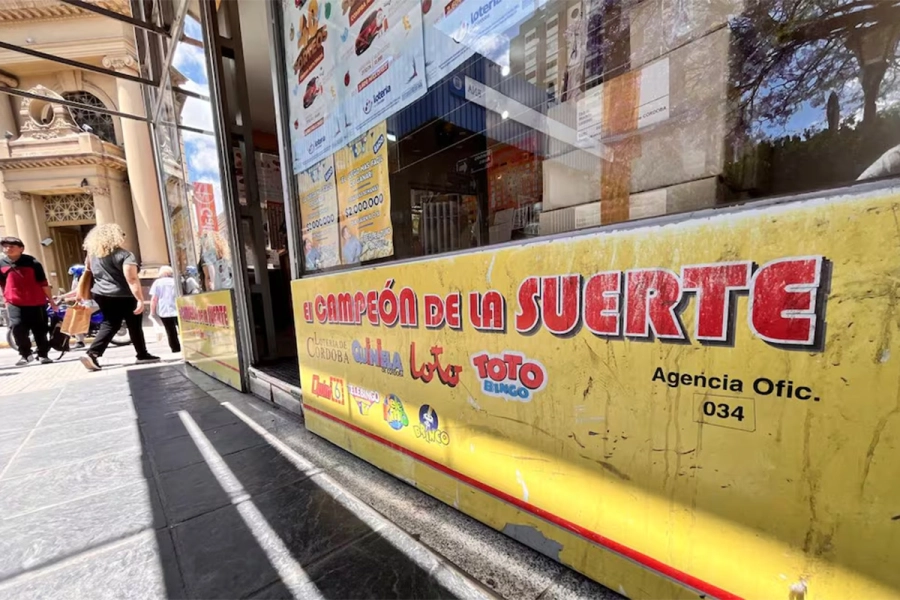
[[327, 349]]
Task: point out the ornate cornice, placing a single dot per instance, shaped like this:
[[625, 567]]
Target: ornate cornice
[[7, 80], [30, 10], [120, 62], [97, 190], [65, 160], [16, 196]]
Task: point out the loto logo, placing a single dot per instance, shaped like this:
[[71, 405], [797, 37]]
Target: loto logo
[[365, 399], [331, 389], [510, 375], [428, 428]]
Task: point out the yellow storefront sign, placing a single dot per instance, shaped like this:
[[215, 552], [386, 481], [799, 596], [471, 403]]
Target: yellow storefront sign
[[706, 407], [208, 335]]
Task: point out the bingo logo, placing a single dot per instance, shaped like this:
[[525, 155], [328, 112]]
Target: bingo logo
[[428, 429], [511, 375]]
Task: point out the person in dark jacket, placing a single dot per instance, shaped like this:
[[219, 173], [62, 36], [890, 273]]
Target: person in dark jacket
[[27, 294]]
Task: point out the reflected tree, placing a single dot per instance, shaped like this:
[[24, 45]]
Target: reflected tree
[[791, 52]]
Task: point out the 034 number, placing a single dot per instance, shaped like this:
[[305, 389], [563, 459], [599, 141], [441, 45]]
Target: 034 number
[[723, 410]]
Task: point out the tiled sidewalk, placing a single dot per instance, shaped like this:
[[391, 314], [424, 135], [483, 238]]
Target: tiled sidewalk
[[141, 484]]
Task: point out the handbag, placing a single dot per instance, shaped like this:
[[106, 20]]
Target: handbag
[[84, 285], [77, 320]]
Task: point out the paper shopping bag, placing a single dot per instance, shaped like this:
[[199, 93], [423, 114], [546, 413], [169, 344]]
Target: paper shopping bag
[[77, 320]]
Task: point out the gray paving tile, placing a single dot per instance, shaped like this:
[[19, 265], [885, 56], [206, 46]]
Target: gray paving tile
[[23, 417], [195, 490], [33, 458], [158, 409], [38, 538], [9, 442], [379, 570], [275, 591], [181, 452], [28, 397], [49, 488], [130, 569], [70, 414], [91, 397], [69, 431], [171, 426], [308, 520], [220, 557], [190, 492]]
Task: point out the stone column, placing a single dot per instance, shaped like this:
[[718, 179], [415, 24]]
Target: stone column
[[103, 205], [7, 116], [151, 234], [6, 210], [121, 206], [23, 221]]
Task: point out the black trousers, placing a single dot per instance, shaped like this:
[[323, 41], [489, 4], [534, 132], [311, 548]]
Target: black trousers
[[115, 310], [171, 325], [23, 319]]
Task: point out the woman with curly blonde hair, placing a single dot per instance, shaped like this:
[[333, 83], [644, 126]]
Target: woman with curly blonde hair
[[117, 291]]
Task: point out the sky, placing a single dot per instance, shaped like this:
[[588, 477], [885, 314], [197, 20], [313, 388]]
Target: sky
[[200, 150]]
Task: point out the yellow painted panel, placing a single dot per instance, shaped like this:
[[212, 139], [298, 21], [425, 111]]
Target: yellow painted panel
[[783, 317], [208, 335]]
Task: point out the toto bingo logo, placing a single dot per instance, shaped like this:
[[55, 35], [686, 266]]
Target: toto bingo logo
[[428, 428], [510, 375]]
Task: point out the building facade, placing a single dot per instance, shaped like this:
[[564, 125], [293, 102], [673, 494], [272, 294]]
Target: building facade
[[629, 323], [63, 170]]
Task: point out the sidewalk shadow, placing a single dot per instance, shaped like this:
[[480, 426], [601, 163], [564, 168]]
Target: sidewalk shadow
[[246, 522]]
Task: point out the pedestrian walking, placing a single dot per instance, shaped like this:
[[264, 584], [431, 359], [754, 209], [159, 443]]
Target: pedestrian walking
[[27, 293], [117, 291], [162, 305]]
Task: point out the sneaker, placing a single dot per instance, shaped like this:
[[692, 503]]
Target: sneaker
[[147, 358], [24, 360], [45, 360], [90, 362]]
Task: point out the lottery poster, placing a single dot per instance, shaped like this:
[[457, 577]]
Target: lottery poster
[[312, 54], [364, 197], [442, 53], [382, 60], [319, 216]]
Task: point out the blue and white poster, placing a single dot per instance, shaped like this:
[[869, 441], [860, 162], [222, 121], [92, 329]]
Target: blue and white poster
[[382, 61], [312, 57], [442, 53], [480, 26]]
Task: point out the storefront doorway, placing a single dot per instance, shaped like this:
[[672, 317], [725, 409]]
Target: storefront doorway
[[67, 248]]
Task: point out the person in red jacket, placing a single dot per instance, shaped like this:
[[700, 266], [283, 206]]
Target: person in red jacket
[[27, 294]]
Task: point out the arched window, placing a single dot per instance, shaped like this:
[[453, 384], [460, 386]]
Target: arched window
[[100, 124]]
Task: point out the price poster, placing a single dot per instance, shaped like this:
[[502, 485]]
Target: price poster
[[382, 58], [319, 216], [364, 197]]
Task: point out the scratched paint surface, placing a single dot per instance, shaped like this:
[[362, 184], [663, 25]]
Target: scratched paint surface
[[781, 491]]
